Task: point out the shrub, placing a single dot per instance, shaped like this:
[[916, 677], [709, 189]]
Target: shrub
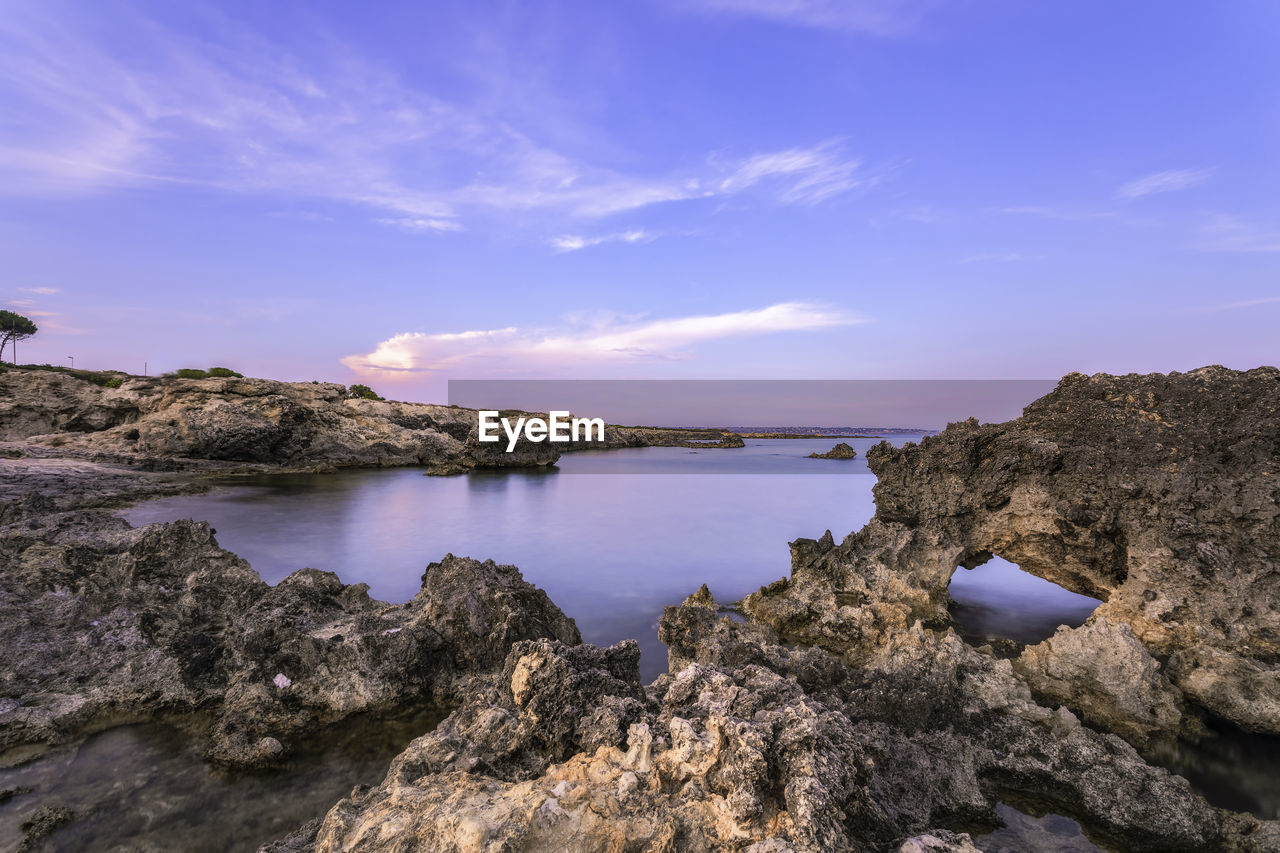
[[101, 378], [224, 372], [192, 373], [362, 392]]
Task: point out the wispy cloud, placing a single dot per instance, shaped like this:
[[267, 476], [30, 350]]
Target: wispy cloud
[[1164, 182], [234, 112], [43, 291], [421, 224], [872, 17], [1245, 303], [608, 340], [574, 242], [921, 214], [301, 216], [803, 175], [1225, 233], [27, 308]]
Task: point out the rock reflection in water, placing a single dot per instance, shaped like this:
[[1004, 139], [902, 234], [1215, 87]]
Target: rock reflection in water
[[1231, 768], [146, 787]]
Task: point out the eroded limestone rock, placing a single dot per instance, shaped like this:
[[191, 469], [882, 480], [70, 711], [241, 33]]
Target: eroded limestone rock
[[103, 623], [1158, 494], [171, 423], [784, 752]]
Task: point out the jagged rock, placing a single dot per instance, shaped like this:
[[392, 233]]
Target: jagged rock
[[1158, 494], [781, 753], [722, 764], [841, 451], [103, 622], [1101, 668], [166, 422], [939, 841], [702, 598]]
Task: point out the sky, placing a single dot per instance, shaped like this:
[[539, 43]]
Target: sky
[[403, 193]]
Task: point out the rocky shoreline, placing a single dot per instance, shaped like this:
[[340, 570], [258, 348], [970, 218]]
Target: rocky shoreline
[[237, 425], [844, 714]]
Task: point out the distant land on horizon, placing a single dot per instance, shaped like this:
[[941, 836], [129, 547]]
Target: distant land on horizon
[[835, 432]]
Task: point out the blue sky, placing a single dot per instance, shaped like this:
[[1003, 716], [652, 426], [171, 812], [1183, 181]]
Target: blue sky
[[403, 193]]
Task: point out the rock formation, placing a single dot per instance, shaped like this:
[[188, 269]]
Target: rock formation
[[234, 423], [751, 745], [844, 714], [102, 623], [1158, 494], [171, 423], [847, 715], [841, 451]]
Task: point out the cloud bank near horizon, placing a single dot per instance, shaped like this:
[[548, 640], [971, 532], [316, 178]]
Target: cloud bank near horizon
[[610, 340]]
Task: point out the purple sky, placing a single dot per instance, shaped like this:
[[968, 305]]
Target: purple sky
[[407, 193]]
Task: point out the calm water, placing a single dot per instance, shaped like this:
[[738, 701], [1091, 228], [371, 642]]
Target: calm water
[[612, 536], [998, 599], [147, 788]]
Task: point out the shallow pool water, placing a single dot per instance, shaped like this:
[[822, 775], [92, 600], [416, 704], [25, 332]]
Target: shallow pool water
[[147, 787]]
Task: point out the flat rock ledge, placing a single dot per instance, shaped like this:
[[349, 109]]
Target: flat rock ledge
[[241, 425]]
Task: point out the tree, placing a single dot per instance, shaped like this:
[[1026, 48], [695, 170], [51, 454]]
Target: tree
[[362, 392], [14, 328]]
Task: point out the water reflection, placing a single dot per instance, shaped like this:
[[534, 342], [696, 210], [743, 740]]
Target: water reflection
[[1232, 768], [611, 551], [146, 787], [1000, 600], [1025, 833]]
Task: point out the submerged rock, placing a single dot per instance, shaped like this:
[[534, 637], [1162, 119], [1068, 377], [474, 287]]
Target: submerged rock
[[43, 823]]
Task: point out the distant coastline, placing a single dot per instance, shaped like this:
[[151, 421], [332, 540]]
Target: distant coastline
[[824, 432]]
